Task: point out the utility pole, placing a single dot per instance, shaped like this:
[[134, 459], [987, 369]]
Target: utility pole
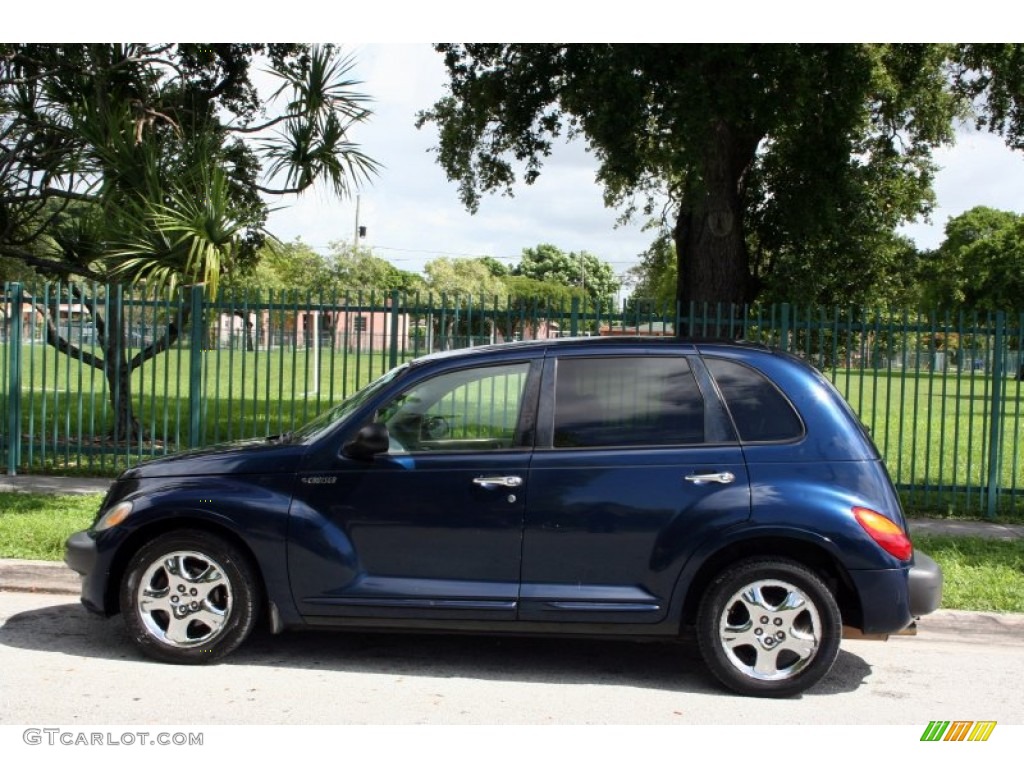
[[355, 236]]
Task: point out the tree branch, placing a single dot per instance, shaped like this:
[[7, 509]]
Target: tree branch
[[51, 265], [48, 193], [263, 127], [164, 342], [291, 191], [54, 339]]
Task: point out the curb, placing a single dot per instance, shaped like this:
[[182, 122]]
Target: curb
[[38, 576]]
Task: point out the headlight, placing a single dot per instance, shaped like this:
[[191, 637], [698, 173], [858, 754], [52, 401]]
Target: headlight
[[113, 516]]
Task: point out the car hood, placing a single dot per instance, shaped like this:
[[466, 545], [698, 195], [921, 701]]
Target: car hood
[[244, 457]]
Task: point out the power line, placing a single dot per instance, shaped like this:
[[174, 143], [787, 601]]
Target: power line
[[518, 257]]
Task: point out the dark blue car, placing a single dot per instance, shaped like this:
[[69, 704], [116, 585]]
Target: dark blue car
[[628, 487]]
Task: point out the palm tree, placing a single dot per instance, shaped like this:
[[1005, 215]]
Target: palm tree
[[152, 165]]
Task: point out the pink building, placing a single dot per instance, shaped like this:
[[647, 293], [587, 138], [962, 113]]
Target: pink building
[[340, 327]]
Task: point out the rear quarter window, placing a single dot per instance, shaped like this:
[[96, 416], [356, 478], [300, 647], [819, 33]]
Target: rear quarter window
[[759, 410]]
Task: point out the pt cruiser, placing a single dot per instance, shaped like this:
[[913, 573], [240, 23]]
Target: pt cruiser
[[629, 487]]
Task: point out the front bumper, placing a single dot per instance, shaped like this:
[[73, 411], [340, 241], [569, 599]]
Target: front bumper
[[81, 555], [925, 585], [80, 552]]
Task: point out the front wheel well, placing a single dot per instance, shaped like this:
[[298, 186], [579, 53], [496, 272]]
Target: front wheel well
[[138, 538], [806, 553]]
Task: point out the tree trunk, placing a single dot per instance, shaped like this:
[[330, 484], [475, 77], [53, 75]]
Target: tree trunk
[[709, 236], [118, 372], [115, 364]]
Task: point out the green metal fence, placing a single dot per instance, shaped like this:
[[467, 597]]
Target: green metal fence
[[940, 393]]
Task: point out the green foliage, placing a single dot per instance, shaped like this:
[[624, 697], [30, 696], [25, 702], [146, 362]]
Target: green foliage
[[284, 267], [980, 264], [978, 574], [496, 267], [165, 149], [134, 163], [879, 269], [296, 266], [993, 76], [654, 278], [528, 293], [464, 278], [765, 160], [34, 526], [359, 270], [468, 286], [548, 264]]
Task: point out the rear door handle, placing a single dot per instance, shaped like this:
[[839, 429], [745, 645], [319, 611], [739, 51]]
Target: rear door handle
[[505, 481], [712, 477]]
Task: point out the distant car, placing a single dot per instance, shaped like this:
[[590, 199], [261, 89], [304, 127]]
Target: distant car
[[606, 487]]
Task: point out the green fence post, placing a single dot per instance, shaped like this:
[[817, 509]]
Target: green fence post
[[784, 327], [15, 297], [393, 349], [195, 374], [574, 318], [996, 421]]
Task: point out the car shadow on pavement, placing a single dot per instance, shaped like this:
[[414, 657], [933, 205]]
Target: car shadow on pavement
[[659, 665]]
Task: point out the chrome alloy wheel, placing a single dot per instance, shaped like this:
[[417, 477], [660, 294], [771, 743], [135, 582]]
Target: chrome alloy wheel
[[184, 599], [770, 630]]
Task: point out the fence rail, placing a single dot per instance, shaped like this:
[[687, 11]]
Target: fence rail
[[99, 378]]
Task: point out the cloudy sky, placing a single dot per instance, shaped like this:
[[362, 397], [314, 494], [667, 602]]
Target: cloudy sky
[[412, 213]]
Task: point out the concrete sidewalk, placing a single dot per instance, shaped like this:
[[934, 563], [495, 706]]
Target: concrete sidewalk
[[53, 484], [44, 576]]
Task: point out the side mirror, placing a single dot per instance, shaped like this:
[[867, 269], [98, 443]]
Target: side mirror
[[368, 442]]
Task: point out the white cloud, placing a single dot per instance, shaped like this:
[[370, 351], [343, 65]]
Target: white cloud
[[413, 213], [978, 170]]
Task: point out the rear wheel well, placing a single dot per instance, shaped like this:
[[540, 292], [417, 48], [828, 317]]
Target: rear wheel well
[[805, 553], [147, 533]]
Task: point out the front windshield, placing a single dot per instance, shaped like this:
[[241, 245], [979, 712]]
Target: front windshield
[[312, 430]]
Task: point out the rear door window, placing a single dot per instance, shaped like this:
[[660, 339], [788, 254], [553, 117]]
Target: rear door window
[[626, 401]]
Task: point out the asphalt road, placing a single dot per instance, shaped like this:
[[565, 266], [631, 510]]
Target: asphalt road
[[59, 664]]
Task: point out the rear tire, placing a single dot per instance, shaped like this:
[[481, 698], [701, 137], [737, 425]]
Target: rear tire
[[769, 628], [189, 597]]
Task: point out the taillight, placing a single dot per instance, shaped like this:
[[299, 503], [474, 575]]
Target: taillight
[[885, 533]]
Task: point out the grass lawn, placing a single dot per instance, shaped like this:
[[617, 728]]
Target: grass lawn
[[34, 526], [979, 574], [67, 416], [935, 433], [934, 430]]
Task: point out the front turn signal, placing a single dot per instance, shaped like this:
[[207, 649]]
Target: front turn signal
[[113, 516]]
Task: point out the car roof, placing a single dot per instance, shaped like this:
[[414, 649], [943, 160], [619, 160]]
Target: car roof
[[598, 343]]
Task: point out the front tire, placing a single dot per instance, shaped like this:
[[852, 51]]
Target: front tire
[[769, 628], [189, 597]]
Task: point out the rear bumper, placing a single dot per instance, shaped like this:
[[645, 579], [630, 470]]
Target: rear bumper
[[884, 600], [925, 585]]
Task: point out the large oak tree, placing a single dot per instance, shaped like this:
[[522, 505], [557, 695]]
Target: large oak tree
[[760, 157]]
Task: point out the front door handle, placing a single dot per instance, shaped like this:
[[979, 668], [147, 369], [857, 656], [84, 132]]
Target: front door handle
[[712, 477], [505, 481]]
